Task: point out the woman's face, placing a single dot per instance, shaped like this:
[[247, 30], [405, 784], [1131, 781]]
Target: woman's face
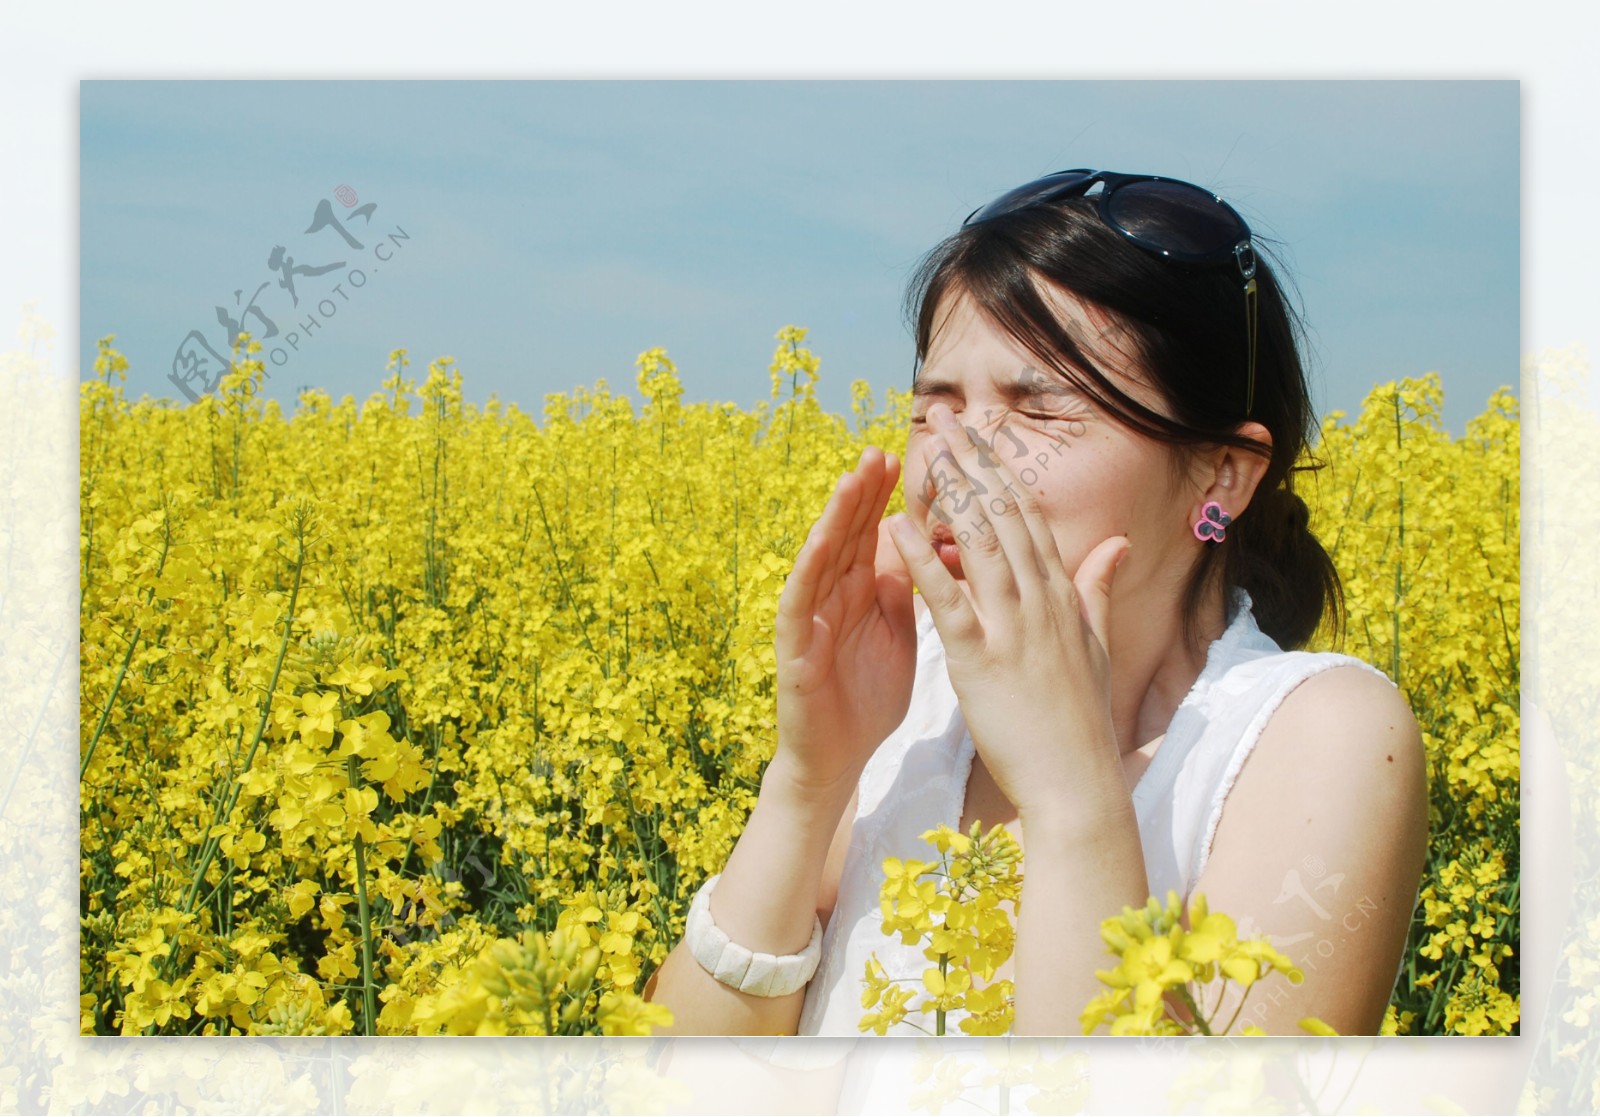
[[1092, 476]]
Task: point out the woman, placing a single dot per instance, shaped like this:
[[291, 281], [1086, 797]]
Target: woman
[[1113, 571]]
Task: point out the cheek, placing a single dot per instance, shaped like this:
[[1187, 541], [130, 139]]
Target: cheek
[[1048, 467]]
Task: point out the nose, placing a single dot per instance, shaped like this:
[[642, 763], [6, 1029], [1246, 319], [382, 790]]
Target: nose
[[967, 416]]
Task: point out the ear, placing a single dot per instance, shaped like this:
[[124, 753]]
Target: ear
[[1232, 474]]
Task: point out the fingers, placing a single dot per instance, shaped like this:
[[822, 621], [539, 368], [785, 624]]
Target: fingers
[[840, 536], [894, 581], [952, 612], [1007, 548], [1093, 583], [833, 525], [894, 585], [798, 599], [870, 534], [861, 484], [814, 565]]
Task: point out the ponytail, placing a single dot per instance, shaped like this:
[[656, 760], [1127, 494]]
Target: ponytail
[[1271, 553]]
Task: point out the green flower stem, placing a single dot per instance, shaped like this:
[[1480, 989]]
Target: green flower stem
[[1234, 1018], [422, 813], [1400, 550], [1194, 1011], [209, 851], [561, 574], [111, 700], [369, 992]]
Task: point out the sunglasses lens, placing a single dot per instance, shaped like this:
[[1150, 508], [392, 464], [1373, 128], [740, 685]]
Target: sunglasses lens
[[1176, 219], [1040, 190]]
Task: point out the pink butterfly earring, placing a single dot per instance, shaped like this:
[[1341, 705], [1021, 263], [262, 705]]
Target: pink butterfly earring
[[1212, 526]]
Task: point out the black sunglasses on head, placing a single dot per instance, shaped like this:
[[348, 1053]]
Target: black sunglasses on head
[[1166, 216]]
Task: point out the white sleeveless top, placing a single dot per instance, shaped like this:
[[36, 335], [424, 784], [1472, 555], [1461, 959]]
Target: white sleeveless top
[[917, 779]]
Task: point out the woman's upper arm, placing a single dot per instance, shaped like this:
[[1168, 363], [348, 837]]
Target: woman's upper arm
[[1321, 847]]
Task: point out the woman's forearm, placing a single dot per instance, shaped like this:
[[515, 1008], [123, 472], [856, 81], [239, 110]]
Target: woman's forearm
[[766, 901], [1080, 867]]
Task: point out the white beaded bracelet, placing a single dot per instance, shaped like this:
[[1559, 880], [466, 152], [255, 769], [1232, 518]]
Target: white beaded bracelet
[[748, 971]]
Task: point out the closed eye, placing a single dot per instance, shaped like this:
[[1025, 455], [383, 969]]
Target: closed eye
[[922, 419], [1045, 416]]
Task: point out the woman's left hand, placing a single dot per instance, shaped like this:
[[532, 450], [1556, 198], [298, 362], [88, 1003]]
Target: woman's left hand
[[1027, 650]]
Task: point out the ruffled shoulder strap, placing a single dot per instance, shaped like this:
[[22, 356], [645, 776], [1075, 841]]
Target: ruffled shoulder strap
[[1180, 797]]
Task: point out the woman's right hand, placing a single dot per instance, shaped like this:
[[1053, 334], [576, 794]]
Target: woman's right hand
[[846, 637]]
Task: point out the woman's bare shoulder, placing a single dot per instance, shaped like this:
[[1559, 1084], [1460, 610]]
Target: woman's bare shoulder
[[1322, 841], [1345, 744], [1350, 709]]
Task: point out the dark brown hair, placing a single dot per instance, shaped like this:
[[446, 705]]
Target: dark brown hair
[[1185, 328]]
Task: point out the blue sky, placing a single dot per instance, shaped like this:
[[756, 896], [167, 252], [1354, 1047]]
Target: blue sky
[[554, 230]]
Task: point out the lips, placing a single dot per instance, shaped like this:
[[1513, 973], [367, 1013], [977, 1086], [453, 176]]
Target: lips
[[944, 545]]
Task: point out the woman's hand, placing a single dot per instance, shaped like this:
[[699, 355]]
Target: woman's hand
[[846, 637], [846, 644], [1027, 647]]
